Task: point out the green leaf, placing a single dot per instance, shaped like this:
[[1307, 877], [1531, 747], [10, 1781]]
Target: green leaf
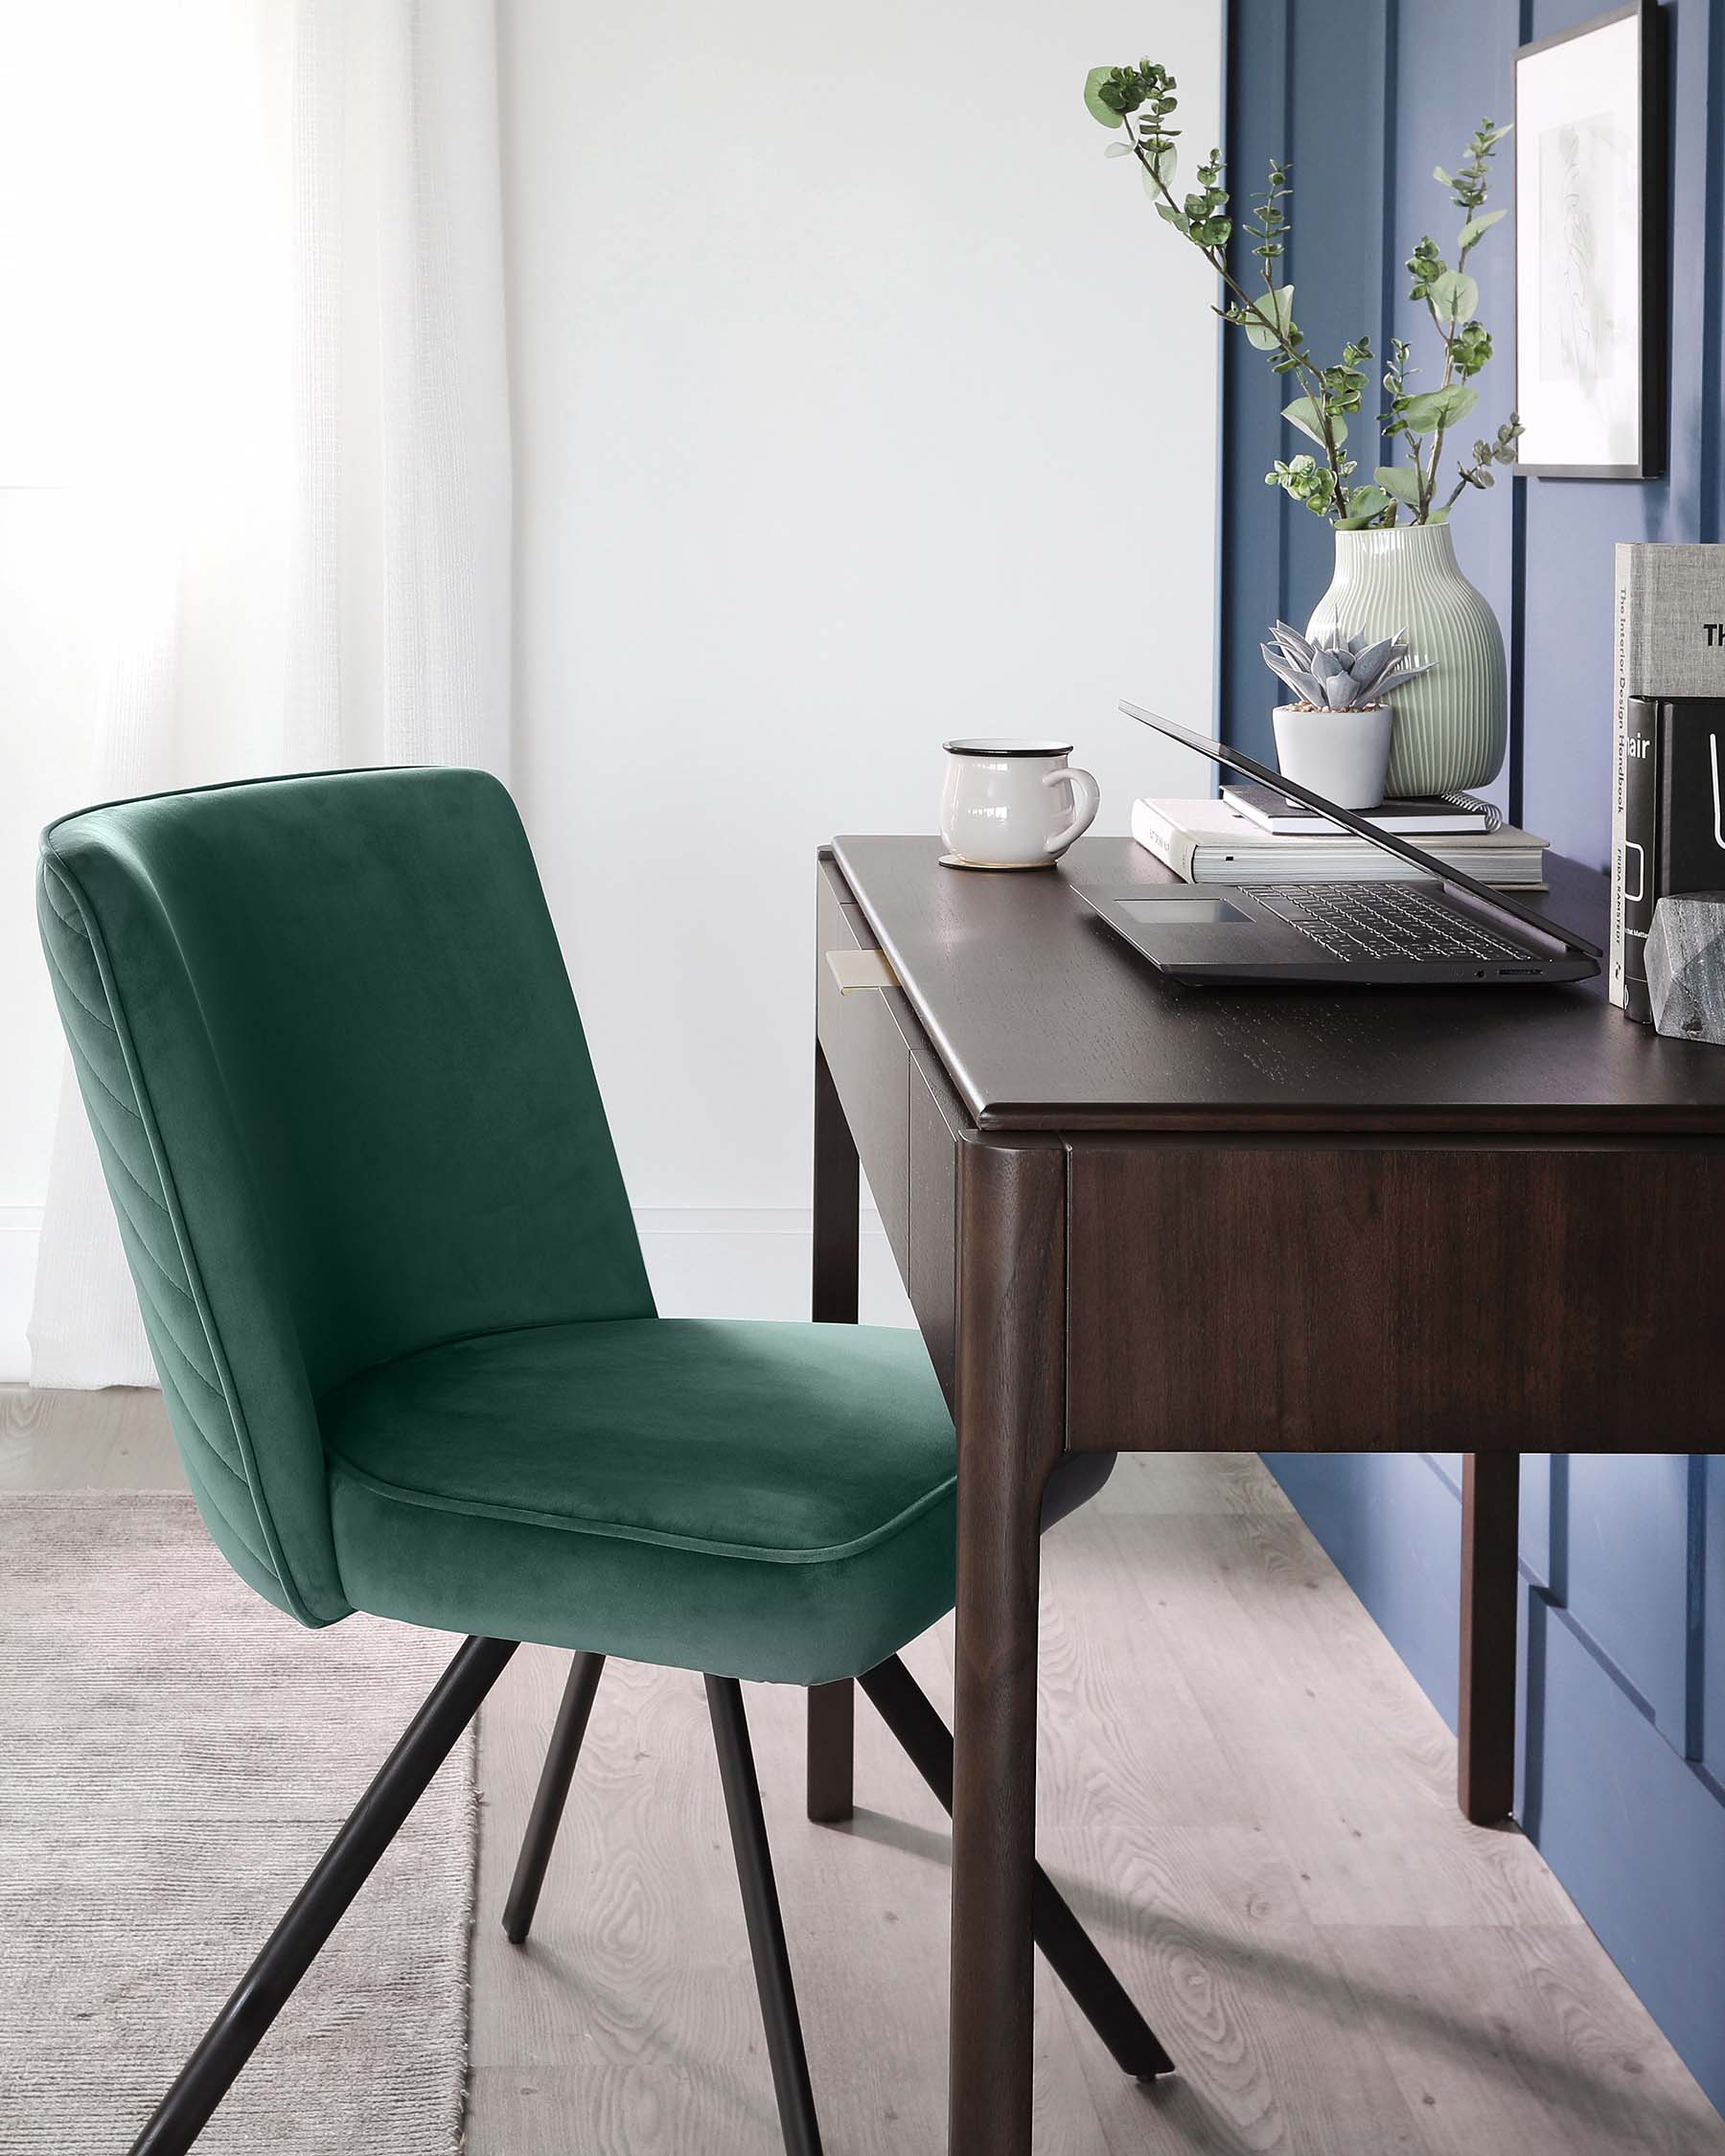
[[1421, 412], [1304, 414], [1433, 408], [1119, 149], [1165, 211], [1476, 228], [1443, 178], [1364, 502], [1097, 110], [1215, 232], [1454, 297], [1163, 162], [1439, 517], [1401, 480], [1275, 319]]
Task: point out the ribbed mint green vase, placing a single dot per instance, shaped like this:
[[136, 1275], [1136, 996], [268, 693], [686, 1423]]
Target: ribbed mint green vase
[[1452, 726]]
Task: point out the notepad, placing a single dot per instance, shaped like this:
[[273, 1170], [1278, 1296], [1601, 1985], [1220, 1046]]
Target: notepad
[[1429, 817]]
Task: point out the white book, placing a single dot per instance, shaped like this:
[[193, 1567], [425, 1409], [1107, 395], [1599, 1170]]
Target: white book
[[1210, 842], [1668, 641]]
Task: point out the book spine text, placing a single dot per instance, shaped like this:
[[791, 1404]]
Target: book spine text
[[1635, 883]]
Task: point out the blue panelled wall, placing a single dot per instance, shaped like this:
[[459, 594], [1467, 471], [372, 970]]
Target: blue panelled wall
[[1621, 1776]]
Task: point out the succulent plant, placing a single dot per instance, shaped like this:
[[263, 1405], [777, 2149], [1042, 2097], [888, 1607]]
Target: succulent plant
[[1338, 673]]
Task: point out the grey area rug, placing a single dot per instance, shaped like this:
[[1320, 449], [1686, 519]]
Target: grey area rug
[[174, 1756]]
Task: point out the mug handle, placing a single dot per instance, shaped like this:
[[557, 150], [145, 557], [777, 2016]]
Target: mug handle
[[1087, 799]]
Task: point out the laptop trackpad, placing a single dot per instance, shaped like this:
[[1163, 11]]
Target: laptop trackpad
[[1188, 912]]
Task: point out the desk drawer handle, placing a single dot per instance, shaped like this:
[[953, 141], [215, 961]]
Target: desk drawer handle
[[853, 969]]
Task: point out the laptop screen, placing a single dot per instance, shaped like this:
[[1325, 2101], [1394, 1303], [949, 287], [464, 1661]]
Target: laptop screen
[[1389, 841]]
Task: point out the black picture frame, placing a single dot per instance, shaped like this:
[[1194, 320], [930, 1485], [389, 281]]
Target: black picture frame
[[1653, 282]]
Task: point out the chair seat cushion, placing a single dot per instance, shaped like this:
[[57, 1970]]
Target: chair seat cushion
[[762, 1500]]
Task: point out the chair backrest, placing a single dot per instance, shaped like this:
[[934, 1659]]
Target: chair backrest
[[344, 1105]]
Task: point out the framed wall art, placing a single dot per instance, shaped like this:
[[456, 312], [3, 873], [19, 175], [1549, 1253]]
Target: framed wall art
[[1590, 247]]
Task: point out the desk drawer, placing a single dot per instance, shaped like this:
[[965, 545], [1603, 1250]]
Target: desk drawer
[[1440, 1297], [869, 1058]]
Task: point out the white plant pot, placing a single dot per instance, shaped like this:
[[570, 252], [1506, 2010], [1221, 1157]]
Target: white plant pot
[[1344, 755]]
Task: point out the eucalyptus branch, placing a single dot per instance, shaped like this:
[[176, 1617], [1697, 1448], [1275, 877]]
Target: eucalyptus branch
[[1429, 481], [1479, 473], [1150, 155], [1448, 334], [1140, 98], [1218, 261]]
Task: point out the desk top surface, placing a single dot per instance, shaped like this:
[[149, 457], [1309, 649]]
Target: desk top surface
[[1045, 1020]]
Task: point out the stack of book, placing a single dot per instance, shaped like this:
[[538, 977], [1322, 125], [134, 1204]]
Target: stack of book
[[1668, 795], [1254, 835]]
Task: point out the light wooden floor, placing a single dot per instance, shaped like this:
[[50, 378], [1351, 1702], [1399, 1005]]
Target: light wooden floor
[[1242, 1792]]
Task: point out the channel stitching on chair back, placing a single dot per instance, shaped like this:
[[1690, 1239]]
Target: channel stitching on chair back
[[344, 1106]]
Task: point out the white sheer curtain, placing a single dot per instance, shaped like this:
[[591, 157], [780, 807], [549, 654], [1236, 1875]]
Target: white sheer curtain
[[299, 495]]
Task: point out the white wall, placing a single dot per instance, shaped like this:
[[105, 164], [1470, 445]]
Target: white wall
[[858, 401], [47, 717], [50, 206]]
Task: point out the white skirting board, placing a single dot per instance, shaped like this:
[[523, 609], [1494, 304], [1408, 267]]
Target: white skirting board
[[722, 1262]]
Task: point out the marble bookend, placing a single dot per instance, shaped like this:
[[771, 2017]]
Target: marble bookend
[[1686, 965]]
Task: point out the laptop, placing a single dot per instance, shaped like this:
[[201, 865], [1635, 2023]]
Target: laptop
[[1441, 929]]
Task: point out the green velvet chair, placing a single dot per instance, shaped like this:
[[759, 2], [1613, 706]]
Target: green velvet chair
[[392, 1286]]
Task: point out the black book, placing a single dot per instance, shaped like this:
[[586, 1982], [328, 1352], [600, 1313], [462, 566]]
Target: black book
[[1673, 818]]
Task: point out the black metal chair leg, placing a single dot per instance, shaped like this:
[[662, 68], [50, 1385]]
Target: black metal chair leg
[[766, 1925], [1072, 1954], [551, 1795], [323, 1900]]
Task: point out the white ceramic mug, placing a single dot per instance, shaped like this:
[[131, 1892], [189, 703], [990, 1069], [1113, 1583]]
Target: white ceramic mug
[[999, 805]]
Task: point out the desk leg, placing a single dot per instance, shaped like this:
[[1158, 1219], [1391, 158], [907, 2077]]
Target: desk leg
[[833, 1301], [1011, 1380], [1491, 1593]]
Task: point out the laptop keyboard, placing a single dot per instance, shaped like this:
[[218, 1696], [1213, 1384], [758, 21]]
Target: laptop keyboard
[[1381, 921]]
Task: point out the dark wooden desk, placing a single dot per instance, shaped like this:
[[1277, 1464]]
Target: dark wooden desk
[[1131, 1217]]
